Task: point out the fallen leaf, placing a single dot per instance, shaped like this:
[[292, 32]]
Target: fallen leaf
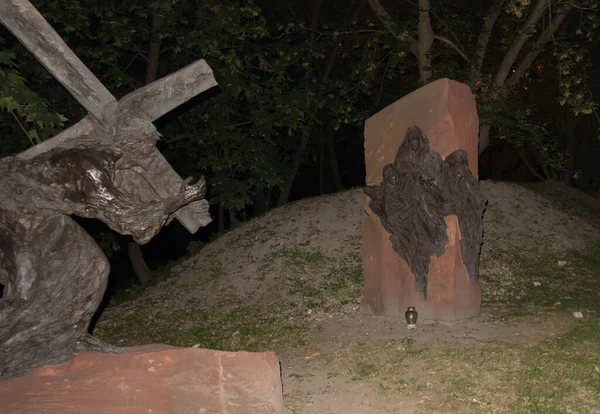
[[313, 355]]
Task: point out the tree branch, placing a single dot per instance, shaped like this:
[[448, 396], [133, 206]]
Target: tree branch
[[140, 52], [316, 18], [458, 47], [132, 60], [452, 45], [22, 128], [524, 34], [393, 27], [529, 166], [483, 40], [536, 48]]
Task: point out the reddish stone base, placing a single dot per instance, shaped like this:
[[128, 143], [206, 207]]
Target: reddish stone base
[[150, 379], [389, 285], [446, 112]]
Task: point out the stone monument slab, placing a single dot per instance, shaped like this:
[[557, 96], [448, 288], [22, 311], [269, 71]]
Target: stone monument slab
[[445, 111]]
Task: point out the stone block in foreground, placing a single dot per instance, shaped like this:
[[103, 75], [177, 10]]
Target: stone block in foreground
[[155, 379]]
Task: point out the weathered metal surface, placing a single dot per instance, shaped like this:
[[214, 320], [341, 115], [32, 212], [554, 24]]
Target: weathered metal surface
[[107, 167]]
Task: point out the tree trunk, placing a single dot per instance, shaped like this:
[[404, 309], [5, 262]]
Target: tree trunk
[[140, 268], [530, 166], [153, 52], [524, 34], [303, 144], [293, 171], [425, 40], [321, 161], [233, 221], [316, 19], [261, 203], [333, 161], [221, 218], [570, 147], [134, 250], [484, 137], [483, 40], [536, 48], [393, 27]]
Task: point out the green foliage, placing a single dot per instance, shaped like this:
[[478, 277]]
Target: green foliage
[[573, 88], [27, 118], [518, 8], [279, 79], [526, 115], [272, 82], [108, 242], [516, 123]]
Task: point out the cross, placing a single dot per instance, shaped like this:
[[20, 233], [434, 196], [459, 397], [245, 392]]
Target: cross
[[104, 111]]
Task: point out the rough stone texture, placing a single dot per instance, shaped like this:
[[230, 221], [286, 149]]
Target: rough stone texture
[[150, 379], [446, 112]]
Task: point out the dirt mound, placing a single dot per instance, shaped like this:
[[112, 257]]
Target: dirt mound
[[559, 218], [301, 246], [291, 281], [304, 258]]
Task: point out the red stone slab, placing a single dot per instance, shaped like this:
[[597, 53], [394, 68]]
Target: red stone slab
[[154, 379], [446, 112]]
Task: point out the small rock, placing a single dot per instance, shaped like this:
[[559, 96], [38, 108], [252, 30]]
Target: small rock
[[557, 303], [537, 284], [578, 315], [308, 312], [561, 263], [196, 346]]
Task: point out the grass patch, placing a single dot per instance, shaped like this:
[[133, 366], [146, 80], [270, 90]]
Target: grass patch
[[231, 324], [322, 283], [542, 279], [364, 370], [563, 375], [240, 329], [558, 376], [580, 206], [299, 261], [122, 293], [574, 282]]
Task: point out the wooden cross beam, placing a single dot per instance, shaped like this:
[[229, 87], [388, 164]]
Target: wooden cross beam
[[104, 111]]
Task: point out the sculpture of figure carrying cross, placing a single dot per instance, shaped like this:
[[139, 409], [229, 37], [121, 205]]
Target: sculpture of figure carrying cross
[[105, 167]]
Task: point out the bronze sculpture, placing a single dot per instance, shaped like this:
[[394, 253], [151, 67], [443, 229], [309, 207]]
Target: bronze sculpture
[[106, 166], [418, 190]]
